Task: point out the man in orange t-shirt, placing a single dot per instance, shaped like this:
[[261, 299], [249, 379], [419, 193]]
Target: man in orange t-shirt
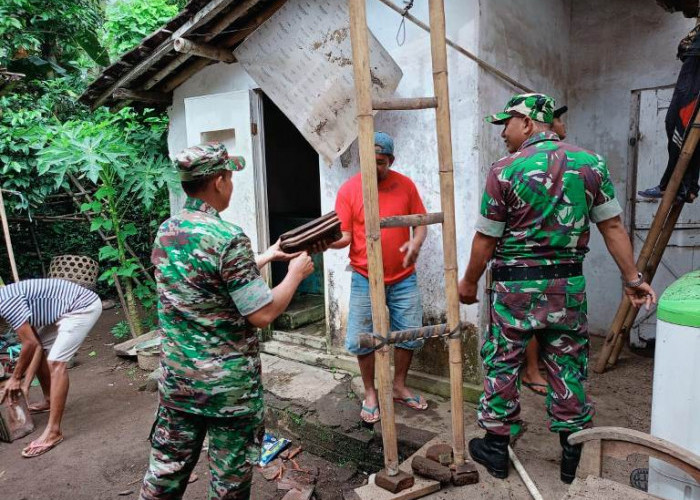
[[397, 196]]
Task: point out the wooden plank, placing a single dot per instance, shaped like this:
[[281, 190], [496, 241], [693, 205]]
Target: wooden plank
[[142, 95], [370, 196], [178, 79], [8, 239], [204, 50], [412, 220], [449, 240], [404, 103]]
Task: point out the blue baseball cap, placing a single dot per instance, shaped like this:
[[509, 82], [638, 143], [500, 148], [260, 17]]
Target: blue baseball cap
[[383, 143]]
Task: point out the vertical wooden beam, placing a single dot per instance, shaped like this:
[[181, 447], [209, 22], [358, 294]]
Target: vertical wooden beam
[[8, 240], [449, 243], [657, 226], [370, 195]]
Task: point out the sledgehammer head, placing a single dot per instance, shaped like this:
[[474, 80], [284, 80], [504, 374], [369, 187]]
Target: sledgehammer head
[[394, 484], [464, 474], [440, 453]]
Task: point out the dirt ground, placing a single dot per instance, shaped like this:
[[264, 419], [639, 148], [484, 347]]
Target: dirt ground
[[106, 425], [108, 419]]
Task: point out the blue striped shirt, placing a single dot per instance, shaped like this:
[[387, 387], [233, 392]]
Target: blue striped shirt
[[42, 301]]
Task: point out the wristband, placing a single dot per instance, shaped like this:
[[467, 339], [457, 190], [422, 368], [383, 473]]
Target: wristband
[[634, 283]]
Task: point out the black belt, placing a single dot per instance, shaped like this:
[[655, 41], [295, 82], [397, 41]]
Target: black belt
[[512, 273]]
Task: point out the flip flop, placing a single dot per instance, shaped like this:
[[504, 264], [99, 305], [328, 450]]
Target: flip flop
[[533, 387], [417, 403], [34, 410], [374, 410], [39, 449]]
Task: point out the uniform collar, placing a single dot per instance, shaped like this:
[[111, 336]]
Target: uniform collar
[[547, 135], [201, 206]]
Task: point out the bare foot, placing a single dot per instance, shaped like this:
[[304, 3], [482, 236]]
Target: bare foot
[[533, 380], [39, 407]]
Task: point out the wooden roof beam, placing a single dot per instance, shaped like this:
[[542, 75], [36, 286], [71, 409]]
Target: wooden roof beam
[[142, 95], [206, 50]]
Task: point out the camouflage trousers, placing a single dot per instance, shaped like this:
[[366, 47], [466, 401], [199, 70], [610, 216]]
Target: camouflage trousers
[[176, 442], [559, 322]]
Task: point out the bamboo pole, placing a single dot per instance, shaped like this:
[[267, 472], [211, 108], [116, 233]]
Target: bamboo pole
[[657, 226], [449, 241], [404, 103], [649, 272], [8, 240], [412, 220], [370, 195]]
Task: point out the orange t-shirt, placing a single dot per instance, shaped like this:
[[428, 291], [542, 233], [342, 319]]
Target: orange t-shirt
[[397, 196]]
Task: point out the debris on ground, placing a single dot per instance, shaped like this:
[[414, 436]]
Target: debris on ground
[[291, 476]]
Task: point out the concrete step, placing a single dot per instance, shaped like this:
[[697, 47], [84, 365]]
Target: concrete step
[[313, 336], [303, 310], [417, 380]]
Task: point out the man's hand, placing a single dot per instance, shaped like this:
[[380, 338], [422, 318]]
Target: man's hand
[[301, 266], [641, 295], [411, 248], [468, 291], [13, 389], [275, 254], [319, 247]]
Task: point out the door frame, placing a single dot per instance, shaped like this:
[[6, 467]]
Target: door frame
[[257, 124]]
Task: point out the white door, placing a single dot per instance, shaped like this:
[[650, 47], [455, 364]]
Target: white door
[[683, 252], [229, 118]]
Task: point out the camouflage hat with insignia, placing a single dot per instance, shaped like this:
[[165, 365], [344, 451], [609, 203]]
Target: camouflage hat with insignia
[[539, 107], [205, 159]]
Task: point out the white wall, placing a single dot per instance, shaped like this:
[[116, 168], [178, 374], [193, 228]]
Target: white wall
[[616, 47]]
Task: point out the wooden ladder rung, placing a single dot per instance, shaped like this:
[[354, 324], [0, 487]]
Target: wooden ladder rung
[[412, 220], [404, 103]]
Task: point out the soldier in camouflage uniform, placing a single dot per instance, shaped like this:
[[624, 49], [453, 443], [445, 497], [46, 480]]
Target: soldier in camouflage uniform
[[211, 298], [534, 228]]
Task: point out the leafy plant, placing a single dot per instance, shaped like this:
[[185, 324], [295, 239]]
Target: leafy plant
[[121, 330], [129, 21]]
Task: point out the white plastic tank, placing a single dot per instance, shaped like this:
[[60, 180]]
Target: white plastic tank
[[675, 412]]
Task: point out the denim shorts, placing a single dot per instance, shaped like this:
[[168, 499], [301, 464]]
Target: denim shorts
[[405, 311]]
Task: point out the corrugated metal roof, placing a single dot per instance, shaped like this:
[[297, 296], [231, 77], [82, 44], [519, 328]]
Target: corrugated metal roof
[[154, 68]]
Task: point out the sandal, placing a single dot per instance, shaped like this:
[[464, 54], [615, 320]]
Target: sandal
[[35, 450], [417, 402], [36, 409], [539, 389], [369, 415]]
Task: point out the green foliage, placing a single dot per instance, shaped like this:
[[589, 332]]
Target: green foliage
[[121, 330], [129, 21], [41, 37]]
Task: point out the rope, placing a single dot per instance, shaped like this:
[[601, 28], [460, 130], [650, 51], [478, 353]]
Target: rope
[[401, 33], [415, 334]]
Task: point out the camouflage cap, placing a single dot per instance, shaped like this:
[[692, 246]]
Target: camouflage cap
[[539, 107], [205, 159]]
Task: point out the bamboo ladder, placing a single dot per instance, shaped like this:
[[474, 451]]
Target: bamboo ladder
[[365, 108], [650, 256]]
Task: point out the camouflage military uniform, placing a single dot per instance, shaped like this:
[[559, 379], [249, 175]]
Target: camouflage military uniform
[[207, 283], [539, 202]]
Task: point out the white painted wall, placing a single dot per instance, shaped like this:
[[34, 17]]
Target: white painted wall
[[615, 47], [591, 65]]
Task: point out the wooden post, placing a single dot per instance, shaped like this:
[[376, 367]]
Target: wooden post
[[449, 242], [8, 240], [657, 226], [370, 195]]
